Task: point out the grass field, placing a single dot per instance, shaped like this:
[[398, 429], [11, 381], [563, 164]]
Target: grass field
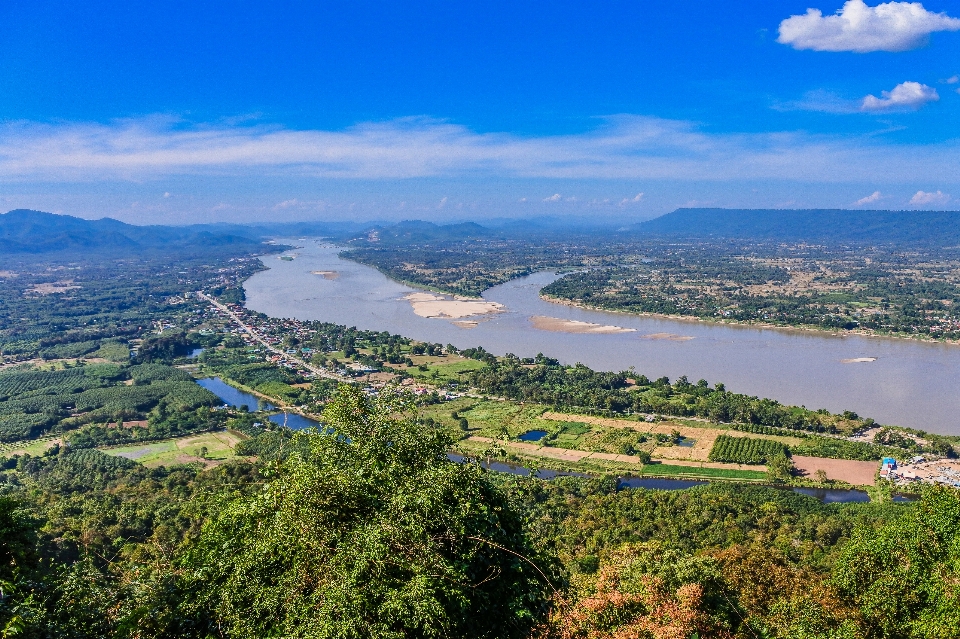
[[35, 447], [181, 451], [666, 470], [441, 369]]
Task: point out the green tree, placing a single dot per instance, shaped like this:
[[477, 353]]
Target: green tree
[[373, 532]]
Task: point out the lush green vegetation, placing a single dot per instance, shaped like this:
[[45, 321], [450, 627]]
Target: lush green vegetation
[[838, 292], [369, 530], [32, 401], [741, 450], [578, 388]]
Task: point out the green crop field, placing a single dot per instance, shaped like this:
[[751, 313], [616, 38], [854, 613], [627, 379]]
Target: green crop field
[[182, 450], [666, 470]]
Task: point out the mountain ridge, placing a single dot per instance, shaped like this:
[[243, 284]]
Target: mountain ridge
[[25, 231], [817, 225]]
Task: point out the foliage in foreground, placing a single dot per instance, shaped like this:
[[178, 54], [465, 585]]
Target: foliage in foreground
[[370, 532], [373, 532]]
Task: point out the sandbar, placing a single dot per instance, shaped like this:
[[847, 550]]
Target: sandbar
[[557, 325], [439, 307], [858, 360], [670, 337], [327, 275]]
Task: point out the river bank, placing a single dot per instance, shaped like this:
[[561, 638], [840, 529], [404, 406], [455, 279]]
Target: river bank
[[909, 383], [765, 325]]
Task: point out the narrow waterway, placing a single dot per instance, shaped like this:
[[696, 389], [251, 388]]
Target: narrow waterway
[[906, 382], [238, 398]]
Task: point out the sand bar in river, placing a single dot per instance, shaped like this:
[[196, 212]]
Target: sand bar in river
[[557, 325], [670, 337], [437, 306]]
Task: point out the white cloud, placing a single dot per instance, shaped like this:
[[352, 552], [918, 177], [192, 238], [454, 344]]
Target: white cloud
[[635, 148], [631, 200], [443, 202], [287, 204], [873, 197], [906, 95], [556, 197], [952, 79], [891, 26], [820, 100], [922, 198]]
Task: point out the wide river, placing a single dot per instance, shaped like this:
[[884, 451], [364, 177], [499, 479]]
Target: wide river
[[909, 383]]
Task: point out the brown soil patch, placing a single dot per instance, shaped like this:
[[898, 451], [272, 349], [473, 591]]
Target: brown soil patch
[[382, 378], [131, 424], [859, 473], [50, 288], [327, 275]]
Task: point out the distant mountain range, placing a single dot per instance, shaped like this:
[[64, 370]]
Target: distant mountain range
[[24, 231], [33, 232], [811, 225]]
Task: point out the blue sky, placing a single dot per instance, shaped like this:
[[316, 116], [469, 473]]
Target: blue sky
[[182, 112]]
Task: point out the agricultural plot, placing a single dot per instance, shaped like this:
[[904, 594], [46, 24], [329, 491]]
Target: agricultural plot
[[207, 448], [32, 401], [740, 450]]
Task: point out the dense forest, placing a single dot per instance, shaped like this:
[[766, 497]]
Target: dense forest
[[368, 530]]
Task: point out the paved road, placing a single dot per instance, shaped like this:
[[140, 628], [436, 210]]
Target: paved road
[[320, 372]]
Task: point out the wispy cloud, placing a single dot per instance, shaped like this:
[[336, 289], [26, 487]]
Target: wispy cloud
[[890, 26], [870, 199], [923, 198], [904, 96], [822, 101], [556, 197], [623, 147]]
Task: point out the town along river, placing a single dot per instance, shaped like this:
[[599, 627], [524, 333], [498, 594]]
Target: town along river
[[894, 381]]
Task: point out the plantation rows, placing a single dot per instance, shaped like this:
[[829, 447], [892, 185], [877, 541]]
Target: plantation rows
[[757, 429], [71, 380], [37, 400], [741, 450], [16, 427]]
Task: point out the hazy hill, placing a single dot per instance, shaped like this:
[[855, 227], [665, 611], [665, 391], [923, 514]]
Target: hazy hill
[[33, 232], [813, 225], [420, 231]]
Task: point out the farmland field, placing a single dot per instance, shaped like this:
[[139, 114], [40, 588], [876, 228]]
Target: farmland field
[[183, 450]]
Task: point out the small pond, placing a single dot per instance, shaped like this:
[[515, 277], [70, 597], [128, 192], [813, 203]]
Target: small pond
[[656, 483], [834, 495], [825, 495], [195, 353], [514, 469], [532, 436]]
